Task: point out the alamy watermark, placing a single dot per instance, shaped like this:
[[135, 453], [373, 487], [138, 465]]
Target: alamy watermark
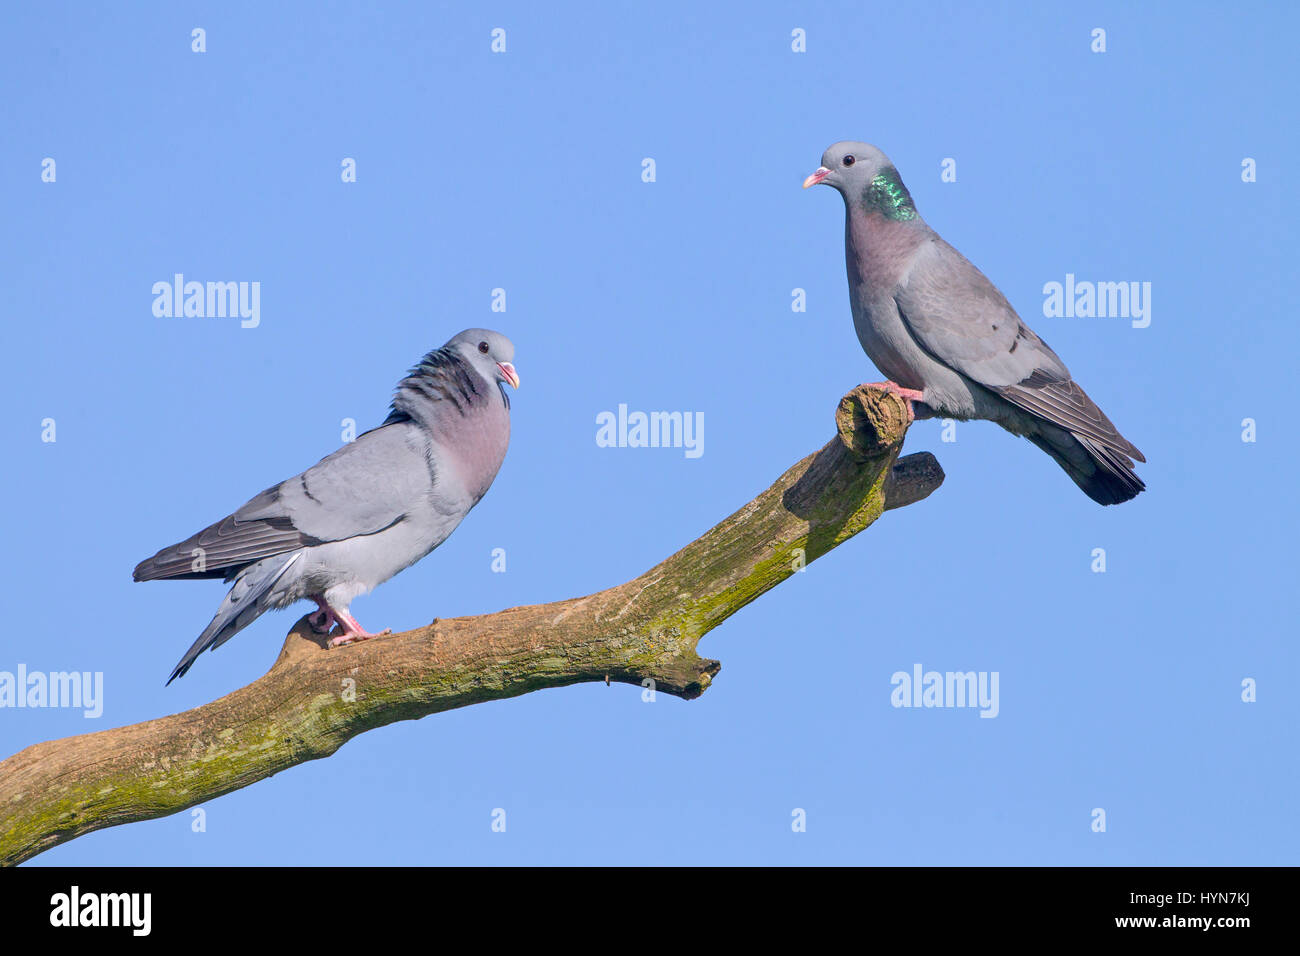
[[1103, 300], [923, 688], [651, 430], [208, 300], [128, 910], [75, 689]]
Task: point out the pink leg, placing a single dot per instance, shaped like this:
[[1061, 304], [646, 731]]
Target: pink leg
[[352, 631], [323, 620], [908, 395]]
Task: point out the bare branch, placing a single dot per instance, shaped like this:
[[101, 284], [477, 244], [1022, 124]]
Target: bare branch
[[314, 699]]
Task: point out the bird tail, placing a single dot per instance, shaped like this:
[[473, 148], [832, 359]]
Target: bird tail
[[247, 600], [1105, 475]]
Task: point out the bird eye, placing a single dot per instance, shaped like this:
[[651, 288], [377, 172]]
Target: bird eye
[[483, 347], [849, 160]]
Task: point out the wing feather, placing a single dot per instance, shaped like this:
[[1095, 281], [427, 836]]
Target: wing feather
[[362, 488], [961, 319]]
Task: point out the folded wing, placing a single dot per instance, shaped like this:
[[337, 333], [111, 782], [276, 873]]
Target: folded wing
[[961, 319], [362, 488]]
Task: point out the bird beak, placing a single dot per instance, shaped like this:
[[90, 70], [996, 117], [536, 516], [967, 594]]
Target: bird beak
[[815, 178], [509, 372]]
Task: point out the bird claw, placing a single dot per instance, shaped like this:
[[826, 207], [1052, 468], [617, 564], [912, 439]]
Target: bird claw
[[908, 395], [323, 621], [911, 394], [353, 638]]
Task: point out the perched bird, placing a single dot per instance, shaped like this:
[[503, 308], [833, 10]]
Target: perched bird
[[949, 340], [373, 508]]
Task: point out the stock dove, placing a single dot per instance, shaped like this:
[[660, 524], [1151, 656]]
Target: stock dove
[[949, 340], [371, 509]]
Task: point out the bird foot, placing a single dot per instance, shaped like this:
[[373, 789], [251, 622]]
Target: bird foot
[[354, 637], [908, 395], [323, 621], [911, 394], [352, 631]]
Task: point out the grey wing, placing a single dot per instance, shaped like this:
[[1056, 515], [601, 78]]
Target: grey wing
[[961, 319], [364, 487]]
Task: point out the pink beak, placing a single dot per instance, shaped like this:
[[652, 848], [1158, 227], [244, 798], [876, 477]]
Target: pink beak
[[815, 178], [509, 372]]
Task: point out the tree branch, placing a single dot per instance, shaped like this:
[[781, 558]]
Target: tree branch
[[314, 699]]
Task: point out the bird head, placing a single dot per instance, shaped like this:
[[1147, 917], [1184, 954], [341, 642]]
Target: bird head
[[849, 167], [864, 176], [490, 353]]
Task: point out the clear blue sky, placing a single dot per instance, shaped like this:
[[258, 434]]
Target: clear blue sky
[[1120, 690]]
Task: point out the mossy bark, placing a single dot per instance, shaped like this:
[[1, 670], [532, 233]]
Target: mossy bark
[[314, 699]]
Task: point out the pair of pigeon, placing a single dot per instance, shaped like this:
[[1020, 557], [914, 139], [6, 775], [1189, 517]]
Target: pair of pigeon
[[948, 340]]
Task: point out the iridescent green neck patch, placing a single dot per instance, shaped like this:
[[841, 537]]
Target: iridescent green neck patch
[[887, 195]]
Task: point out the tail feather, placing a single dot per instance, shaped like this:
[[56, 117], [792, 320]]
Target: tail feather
[[245, 603], [1104, 474]]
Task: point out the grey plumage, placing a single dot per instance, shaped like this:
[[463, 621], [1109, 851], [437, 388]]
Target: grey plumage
[[934, 323], [365, 512]]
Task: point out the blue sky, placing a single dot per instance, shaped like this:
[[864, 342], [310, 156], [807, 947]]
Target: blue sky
[[522, 170]]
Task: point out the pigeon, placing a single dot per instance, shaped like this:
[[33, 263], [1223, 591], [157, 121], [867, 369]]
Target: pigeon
[[371, 509], [949, 341]]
